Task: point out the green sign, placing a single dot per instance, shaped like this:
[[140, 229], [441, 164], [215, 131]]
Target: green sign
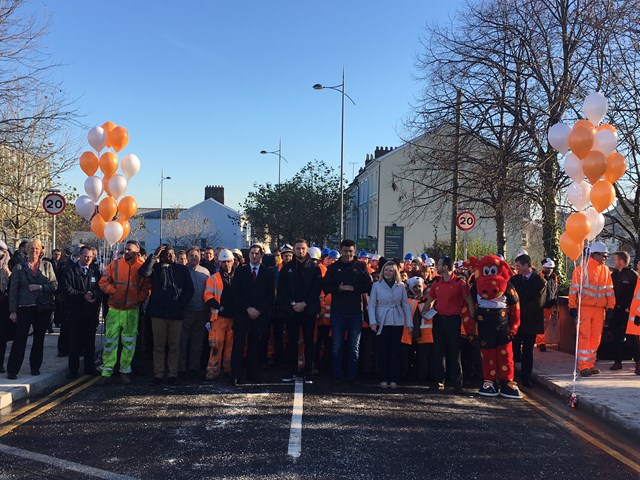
[[393, 242]]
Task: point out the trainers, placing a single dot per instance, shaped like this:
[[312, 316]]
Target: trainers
[[542, 347], [595, 371], [510, 390], [384, 384], [290, 378], [103, 380], [488, 389], [125, 379], [393, 385], [585, 373], [616, 366]]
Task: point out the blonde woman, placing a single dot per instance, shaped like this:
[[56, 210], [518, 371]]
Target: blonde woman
[[31, 303], [389, 313]]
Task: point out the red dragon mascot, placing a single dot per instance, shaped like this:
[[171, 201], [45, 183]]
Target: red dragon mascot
[[498, 318]]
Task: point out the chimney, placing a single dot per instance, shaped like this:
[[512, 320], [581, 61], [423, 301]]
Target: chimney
[[380, 151], [214, 191]]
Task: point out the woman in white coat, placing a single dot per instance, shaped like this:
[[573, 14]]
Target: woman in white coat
[[389, 313]]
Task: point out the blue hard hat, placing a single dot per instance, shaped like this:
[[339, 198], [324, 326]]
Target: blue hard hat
[[500, 256], [334, 254], [408, 256], [363, 254], [424, 257], [325, 252]]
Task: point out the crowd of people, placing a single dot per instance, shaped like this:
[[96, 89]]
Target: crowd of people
[[219, 314]]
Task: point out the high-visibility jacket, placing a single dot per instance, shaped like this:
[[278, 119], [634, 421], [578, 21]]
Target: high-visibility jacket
[[597, 286], [634, 311], [426, 326], [213, 289], [126, 289]]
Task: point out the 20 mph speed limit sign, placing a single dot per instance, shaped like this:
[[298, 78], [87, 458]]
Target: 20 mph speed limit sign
[[54, 204], [466, 220]]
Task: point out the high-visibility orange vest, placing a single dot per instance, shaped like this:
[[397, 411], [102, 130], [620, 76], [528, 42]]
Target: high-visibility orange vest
[[634, 311], [213, 289], [426, 327], [597, 286], [126, 289]]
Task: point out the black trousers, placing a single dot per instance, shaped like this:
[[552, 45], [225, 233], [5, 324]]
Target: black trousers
[[81, 333], [388, 348], [322, 351], [426, 370], [308, 325], [446, 340], [523, 344], [367, 350], [28, 316], [256, 345], [618, 327]]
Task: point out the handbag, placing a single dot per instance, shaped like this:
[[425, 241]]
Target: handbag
[[45, 302]]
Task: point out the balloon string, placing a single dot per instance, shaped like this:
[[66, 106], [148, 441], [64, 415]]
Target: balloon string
[[583, 264]]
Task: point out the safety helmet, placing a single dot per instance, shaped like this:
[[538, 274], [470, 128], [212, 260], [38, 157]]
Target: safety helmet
[[548, 263], [334, 254], [408, 256], [459, 264], [432, 261], [522, 251], [236, 251], [225, 255], [363, 254], [286, 248], [315, 253], [375, 257], [325, 252], [424, 257], [429, 262], [598, 247]]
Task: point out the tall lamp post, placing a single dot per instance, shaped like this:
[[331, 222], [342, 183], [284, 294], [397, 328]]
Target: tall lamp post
[[162, 179], [339, 88], [280, 157]]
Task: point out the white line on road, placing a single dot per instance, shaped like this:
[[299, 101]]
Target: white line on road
[[295, 435], [63, 464]]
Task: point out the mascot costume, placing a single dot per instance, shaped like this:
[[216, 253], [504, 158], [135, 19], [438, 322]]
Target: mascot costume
[[498, 318]]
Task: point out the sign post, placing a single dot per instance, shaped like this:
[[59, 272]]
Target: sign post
[[465, 221], [54, 204]]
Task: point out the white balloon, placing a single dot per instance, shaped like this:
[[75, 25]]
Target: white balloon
[[93, 186], [573, 167], [117, 185], [130, 165], [578, 195], [597, 222], [113, 232], [97, 138], [85, 207], [595, 107], [605, 142], [559, 137]]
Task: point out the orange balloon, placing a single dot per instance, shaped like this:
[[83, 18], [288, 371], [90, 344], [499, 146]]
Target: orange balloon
[[97, 226], [127, 207], [105, 186], [107, 127], [581, 140], [119, 137], [594, 165], [570, 247], [126, 228], [602, 195], [108, 163], [89, 163], [108, 208], [607, 126], [616, 166], [586, 124], [578, 227]]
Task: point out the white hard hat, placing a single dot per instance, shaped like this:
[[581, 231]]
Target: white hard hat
[[598, 247], [431, 261], [315, 253], [225, 255], [459, 264], [413, 281], [3, 246], [548, 263], [375, 257], [522, 251]]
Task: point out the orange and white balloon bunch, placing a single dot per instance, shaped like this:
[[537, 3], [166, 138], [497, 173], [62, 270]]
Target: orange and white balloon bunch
[[593, 155], [104, 223]]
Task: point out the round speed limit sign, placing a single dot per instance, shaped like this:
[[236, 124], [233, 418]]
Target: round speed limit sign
[[54, 204], [466, 220]]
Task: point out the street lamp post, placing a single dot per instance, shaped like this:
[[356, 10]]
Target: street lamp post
[[339, 88], [162, 179], [280, 157]]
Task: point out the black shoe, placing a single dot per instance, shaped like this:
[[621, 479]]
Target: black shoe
[[35, 373], [336, 381], [12, 376], [616, 366], [585, 373], [156, 381], [595, 371], [173, 381], [353, 382], [542, 347], [290, 378], [72, 375], [510, 390], [458, 390], [125, 379], [233, 382]]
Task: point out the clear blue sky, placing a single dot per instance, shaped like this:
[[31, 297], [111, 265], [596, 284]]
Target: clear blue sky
[[203, 86]]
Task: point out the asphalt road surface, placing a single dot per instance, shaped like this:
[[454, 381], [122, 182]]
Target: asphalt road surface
[[197, 431]]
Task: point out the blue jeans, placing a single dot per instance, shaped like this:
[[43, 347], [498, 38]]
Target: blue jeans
[[352, 324]]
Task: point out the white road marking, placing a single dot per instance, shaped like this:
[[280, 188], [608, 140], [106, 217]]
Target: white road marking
[[295, 435], [63, 464]]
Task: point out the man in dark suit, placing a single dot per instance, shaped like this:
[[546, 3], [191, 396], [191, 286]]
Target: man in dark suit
[[299, 287], [254, 292], [532, 290]]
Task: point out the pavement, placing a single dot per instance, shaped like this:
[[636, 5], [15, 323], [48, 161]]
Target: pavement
[[612, 396]]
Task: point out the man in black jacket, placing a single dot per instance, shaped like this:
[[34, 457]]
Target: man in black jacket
[[171, 290], [346, 280], [624, 283], [79, 286], [532, 290], [299, 287], [254, 291]]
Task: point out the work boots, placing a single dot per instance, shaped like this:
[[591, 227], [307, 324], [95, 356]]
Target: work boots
[[616, 366]]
